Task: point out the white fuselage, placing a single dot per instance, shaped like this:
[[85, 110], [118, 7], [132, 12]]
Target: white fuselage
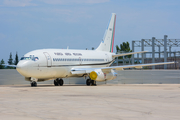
[[46, 64]]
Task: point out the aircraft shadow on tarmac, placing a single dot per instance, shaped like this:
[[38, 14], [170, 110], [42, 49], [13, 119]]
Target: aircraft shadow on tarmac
[[48, 85]]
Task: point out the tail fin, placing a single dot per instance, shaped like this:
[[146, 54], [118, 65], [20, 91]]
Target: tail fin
[[108, 41]]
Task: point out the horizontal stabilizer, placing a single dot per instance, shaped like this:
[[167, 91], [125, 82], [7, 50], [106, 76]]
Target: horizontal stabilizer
[[123, 54]]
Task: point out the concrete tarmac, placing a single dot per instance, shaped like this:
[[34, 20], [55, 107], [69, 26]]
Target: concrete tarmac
[[80, 102], [12, 77]]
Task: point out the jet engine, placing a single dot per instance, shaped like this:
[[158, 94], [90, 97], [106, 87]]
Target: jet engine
[[99, 75]]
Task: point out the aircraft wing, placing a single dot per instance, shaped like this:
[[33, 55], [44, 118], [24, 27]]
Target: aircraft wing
[[108, 69], [9, 65], [123, 54]]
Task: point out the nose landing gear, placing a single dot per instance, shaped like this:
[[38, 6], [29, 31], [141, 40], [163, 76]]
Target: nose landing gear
[[58, 82], [34, 84]]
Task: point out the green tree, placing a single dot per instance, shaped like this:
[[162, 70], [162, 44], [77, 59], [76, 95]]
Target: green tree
[[10, 61], [117, 49], [16, 59], [124, 48], [1, 66]]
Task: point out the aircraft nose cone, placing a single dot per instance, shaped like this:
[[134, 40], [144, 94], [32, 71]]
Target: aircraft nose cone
[[22, 68]]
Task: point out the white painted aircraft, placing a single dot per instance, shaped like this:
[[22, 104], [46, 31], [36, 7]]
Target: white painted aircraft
[[55, 64]]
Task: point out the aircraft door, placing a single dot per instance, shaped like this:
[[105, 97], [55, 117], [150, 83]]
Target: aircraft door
[[48, 58]]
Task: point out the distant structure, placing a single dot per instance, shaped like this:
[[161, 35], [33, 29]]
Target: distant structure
[[156, 43], [153, 57]]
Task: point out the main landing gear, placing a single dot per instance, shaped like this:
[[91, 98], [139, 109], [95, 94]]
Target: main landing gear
[[34, 84], [90, 82], [58, 82]]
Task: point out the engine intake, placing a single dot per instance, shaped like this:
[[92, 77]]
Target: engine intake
[[99, 75], [93, 75]]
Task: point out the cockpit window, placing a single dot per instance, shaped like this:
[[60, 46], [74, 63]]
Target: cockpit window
[[25, 58], [35, 58], [30, 58]]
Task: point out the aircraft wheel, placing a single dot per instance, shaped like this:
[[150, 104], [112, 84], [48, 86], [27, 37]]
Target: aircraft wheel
[[93, 82], [88, 82], [61, 82], [34, 84], [55, 83]]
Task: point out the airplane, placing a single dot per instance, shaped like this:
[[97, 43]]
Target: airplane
[[93, 65]]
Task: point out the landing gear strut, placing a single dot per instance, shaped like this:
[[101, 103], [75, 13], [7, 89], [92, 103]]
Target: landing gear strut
[[34, 84], [90, 82], [58, 82]]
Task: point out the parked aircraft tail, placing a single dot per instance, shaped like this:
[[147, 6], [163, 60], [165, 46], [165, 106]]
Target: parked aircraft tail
[[108, 41]]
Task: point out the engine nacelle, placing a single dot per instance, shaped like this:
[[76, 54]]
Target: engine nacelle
[[99, 75]]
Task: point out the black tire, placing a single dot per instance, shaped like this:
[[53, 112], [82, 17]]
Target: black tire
[[93, 82], [88, 82], [34, 84], [61, 82], [55, 83]]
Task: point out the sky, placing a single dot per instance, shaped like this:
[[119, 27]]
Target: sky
[[27, 25]]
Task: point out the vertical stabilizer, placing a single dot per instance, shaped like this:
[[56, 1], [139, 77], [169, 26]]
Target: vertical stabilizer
[[108, 41]]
